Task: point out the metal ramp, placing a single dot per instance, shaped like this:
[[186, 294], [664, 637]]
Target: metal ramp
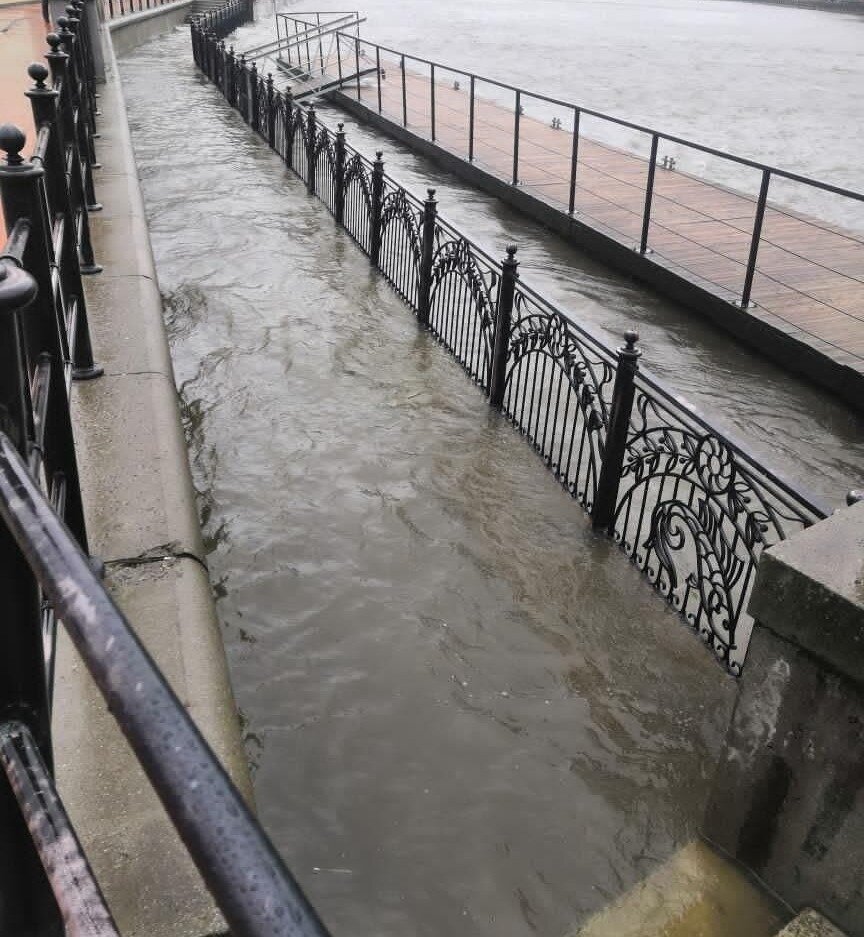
[[314, 50]]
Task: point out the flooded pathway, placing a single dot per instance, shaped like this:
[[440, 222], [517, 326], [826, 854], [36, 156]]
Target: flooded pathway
[[466, 713]]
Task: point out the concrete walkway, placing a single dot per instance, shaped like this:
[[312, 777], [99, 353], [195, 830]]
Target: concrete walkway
[[142, 522]]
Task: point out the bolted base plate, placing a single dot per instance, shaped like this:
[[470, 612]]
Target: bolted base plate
[[87, 374], [747, 305]]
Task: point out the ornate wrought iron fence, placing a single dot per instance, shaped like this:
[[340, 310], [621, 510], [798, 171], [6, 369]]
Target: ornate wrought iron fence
[[691, 507]]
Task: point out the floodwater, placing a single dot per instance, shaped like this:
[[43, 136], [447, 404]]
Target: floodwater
[[466, 714], [797, 429]]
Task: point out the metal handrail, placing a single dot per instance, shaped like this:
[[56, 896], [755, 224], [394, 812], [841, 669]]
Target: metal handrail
[[256, 893], [620, 121]]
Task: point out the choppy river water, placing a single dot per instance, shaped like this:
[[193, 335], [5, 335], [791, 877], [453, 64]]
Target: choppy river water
[[466, 714]]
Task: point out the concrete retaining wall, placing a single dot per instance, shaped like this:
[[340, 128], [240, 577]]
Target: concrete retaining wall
[[143, 522]]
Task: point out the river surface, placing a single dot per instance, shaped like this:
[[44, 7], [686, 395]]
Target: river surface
[[465, 713]]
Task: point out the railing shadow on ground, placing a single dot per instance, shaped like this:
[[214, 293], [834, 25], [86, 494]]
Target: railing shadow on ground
[[688, 504], [47, 887]]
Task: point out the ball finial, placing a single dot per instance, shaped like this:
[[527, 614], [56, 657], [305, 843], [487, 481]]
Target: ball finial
[[511, 251], [430, 194], [12, 141], [38, 72], [53, 40]]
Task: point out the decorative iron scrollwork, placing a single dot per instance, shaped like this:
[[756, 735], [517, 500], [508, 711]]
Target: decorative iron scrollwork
[[695, 518]]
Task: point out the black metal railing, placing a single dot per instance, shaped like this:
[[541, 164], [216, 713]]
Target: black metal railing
[[47, 886], [603, 170], [112, 9], [690, 506]]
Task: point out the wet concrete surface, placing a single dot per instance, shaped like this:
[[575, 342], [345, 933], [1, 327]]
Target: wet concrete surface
[[466, 713]]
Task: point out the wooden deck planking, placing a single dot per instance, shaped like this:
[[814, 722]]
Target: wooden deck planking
[[810, 273]]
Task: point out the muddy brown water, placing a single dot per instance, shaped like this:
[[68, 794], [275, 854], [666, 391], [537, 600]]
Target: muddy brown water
[[465, 712]]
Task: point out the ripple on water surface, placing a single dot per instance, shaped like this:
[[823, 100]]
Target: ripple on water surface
[[466, 713]]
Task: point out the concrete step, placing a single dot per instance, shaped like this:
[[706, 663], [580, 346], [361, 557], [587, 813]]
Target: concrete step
[[695, 893], [810, 923]]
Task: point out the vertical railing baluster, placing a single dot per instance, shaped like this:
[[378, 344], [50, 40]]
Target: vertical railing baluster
[[375, 216], [503, 323], [471, 122], [427, 254], [517, 113], [357, 64], [404, 94], [603, 509], [574, 162], [755, 239], [649, 194], [378, 72], [338, 58], [339, 148], [432, 98]]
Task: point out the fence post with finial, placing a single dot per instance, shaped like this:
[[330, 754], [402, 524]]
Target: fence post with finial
[[603, 509], [339, 170], [311, 133], [503, 325], [427, 253], [290, 127], [60, 204], [375, 213], [23, 201], [78, 130], [253, 99], [271, 112]]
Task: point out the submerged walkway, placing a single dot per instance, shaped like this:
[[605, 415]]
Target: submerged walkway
[[468, 715], [808, 287]]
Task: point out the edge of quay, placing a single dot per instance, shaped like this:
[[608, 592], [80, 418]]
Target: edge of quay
[[143, 524]]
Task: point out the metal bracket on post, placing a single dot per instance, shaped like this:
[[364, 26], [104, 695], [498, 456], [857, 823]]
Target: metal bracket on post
[[603, 510], [503, 322], [339, 146], [427, 254], [377, 199]]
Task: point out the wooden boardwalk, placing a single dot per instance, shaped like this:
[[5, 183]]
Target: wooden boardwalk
[[809, 278]]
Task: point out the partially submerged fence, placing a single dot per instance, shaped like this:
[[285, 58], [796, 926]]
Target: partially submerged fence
[[47, 887], [690, 506]]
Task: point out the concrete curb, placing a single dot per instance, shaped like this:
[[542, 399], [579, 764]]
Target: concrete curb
[[143, 522]]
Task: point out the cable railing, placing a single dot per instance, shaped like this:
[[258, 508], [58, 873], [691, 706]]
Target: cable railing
[[693, 508], [47, 885], [713, 218]]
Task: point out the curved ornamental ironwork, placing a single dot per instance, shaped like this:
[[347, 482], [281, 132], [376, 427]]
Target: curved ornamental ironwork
[[694, 513], [558, 392], [463, 300], [691, 508], [401, 242]]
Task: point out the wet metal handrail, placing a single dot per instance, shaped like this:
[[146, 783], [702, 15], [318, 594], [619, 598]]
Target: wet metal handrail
[[738, 294], [251, 885]]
